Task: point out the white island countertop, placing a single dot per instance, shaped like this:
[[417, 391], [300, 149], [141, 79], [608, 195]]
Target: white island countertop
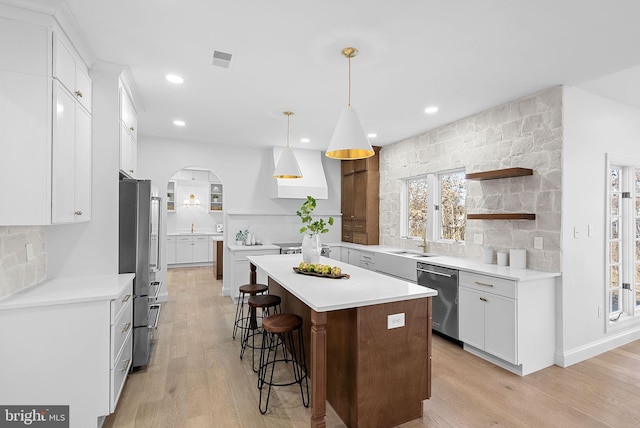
[[59, 291], [363, 288]]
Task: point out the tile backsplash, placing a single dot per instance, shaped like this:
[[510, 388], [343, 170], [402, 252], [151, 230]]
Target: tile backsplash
[[16, 272], [528, 133]]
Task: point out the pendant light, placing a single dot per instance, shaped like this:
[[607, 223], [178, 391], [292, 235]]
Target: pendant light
[[349, 140], [287, 166]]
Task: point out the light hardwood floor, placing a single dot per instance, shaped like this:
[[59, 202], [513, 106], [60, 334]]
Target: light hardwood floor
[[196, 379]]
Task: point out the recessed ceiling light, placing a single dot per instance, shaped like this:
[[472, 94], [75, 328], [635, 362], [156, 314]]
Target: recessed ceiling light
[[372, 135], [431, 110], [304, 140], [174, 78], [179, 123]]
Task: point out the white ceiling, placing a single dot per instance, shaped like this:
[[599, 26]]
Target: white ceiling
[[461, 55]]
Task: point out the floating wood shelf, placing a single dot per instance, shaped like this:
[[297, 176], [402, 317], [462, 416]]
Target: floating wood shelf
[[499, 173], [510, 216]]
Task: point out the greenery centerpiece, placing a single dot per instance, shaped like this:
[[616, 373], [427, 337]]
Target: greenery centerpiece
[[311, 245]]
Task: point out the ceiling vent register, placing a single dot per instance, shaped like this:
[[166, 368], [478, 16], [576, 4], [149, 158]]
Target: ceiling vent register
[[221, 59]]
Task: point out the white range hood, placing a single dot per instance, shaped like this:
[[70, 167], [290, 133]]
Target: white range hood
[[313, 181]]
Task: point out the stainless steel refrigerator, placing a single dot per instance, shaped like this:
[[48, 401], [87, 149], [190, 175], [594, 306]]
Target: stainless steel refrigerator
[[139, 223]]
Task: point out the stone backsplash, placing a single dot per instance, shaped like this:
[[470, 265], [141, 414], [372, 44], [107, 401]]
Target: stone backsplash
[[16, 272], [523, 133]]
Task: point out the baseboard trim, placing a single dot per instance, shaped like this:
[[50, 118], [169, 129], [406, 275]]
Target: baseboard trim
[[576, 355]]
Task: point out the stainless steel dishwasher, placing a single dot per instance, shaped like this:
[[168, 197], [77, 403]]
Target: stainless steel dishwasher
[[445, 304]]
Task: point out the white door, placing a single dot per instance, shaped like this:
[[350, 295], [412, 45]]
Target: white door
[[471, 317], [63, 157], [200, 249], [500, 327], [184, 249]]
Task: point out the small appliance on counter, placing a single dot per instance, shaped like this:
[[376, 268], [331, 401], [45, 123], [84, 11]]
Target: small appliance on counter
[[296, 248]]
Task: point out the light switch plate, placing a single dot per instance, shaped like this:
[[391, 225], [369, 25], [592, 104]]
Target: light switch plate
[[538, 242], [576, 232], [477, 238], [29, 248], [395, 321]]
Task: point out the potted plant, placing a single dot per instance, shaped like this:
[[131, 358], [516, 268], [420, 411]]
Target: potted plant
[[240, 235], [311, 245]]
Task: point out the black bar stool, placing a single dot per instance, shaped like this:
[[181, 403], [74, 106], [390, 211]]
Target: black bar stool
[[241, 318], [278, 330], [270, 304]]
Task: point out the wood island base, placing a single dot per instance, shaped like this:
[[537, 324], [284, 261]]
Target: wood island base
[[371, 375]]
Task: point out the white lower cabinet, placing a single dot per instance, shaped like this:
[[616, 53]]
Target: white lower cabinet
[[171, 250], [487, 322], [185, 249], [510, 323], [367, 261], [68, 341], [241, 268]]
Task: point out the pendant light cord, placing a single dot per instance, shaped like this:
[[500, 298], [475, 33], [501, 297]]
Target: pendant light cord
[[349, 80], [288, 121]]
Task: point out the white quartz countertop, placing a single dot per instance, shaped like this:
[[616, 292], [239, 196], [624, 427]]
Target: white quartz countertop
[[65, 290], [253, 247], [363, 288], [468, 265], [194, 234], [474, 266]]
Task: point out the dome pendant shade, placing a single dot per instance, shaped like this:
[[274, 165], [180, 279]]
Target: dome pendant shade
[[287, 165], [349, 140]]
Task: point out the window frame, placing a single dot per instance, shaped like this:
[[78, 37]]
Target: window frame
[[434, 220], [628, 310]]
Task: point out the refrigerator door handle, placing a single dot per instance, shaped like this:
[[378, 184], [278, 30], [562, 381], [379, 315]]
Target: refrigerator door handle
[[158, 260]]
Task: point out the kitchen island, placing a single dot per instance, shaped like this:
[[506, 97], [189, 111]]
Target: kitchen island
[[369, 339]]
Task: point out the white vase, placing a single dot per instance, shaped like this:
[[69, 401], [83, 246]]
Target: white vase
[[311, 247]]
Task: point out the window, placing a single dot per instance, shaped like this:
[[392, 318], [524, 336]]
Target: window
[[435, 202], [623, 240], [417, 206], [452, 213]]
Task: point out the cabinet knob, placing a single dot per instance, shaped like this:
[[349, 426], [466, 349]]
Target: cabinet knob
[[131, 129], [78, 212], [78, 94], [131, 171]]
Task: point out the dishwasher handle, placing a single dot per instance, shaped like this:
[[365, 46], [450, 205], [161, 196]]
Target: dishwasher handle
[[436, 273]]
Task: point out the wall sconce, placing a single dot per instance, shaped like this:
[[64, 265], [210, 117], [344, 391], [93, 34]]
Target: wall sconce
[[192, 201]]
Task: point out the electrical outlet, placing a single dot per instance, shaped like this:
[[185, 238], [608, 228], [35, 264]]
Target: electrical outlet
[[538, 242], [589, 230], [395, 321], [477, 238], [29, 248], [576, 232], [600, 311]]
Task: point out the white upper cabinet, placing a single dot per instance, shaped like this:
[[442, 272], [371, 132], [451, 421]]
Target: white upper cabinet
[[71, 153], [128, 134], [69, 69], [46, 132], [24, 47]]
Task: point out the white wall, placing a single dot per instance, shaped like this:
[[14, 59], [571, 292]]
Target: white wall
[[92, 248], [593, 126], [246, 173]]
